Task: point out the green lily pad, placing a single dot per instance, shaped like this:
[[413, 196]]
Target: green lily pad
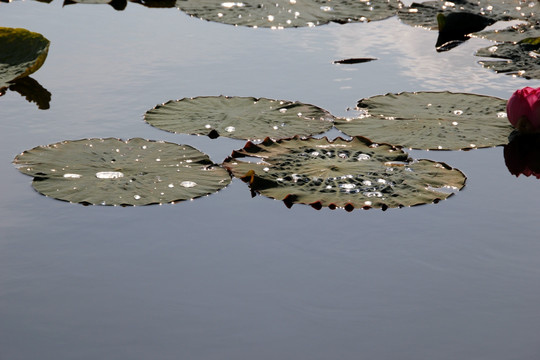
[[521, 59], [289, 13], [22, 53], [431, 120], [425, 13], [116, 172], [239, 117], [513, 34], [342, 173]]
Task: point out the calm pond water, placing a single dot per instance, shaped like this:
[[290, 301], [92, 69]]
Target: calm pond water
[[234, 277]]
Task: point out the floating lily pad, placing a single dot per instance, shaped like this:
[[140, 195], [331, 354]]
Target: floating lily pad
[[22, 53], [342, 173], [513, 34], [289, 13], [431, 120], [521, 59], [115, 172], [239, 117], [425, 13]]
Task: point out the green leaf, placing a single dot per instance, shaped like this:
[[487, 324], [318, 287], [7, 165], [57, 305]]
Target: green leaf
[[239, 117], [521, 59], [288, 13], [342, 173], [22, 53], [431, 120], [116, 172]]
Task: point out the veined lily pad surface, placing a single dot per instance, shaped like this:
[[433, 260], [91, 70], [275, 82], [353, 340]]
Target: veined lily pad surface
[[431, 120], [342, 173], [240, 117], [116, 172], [289, 13], [521, 59], [22, 53]]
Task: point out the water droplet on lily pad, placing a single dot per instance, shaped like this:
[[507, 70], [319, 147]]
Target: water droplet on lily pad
[[67, 171], [279, 14], [404, 119], [332, 181], [239, 117]]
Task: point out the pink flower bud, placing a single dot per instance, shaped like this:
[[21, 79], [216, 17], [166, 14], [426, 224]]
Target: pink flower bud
[[523, 109]]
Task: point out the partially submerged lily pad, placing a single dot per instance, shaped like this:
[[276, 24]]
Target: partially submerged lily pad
[[116, 172], [239, 117], [289, 13], [431, 120], [342, 173], [521, 59], [22, 53]]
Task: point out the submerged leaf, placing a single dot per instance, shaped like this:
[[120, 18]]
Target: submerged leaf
[[239, 117], [22, 53], [116, 172], [521, 59], [342, 173], [289, 13], [431, 120]]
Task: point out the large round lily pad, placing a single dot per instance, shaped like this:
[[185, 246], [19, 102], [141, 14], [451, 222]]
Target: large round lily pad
[[289, 13], [521, 59], [239, 117], [431, 120], [22, 53], [116, 172], [341, 173]]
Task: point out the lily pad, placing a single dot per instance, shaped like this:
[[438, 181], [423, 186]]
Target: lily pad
[[425, 13], [521, 59], [116, 172], [22, 53], [239, 117], [342, 173], [513, 34], [431, 120], [289, 13]]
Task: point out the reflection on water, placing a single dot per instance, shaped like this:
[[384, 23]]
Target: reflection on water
[[522, 154], [32, 90]]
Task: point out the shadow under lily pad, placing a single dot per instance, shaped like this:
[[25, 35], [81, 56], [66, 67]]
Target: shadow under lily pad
[[342, 173], [117, 172]]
